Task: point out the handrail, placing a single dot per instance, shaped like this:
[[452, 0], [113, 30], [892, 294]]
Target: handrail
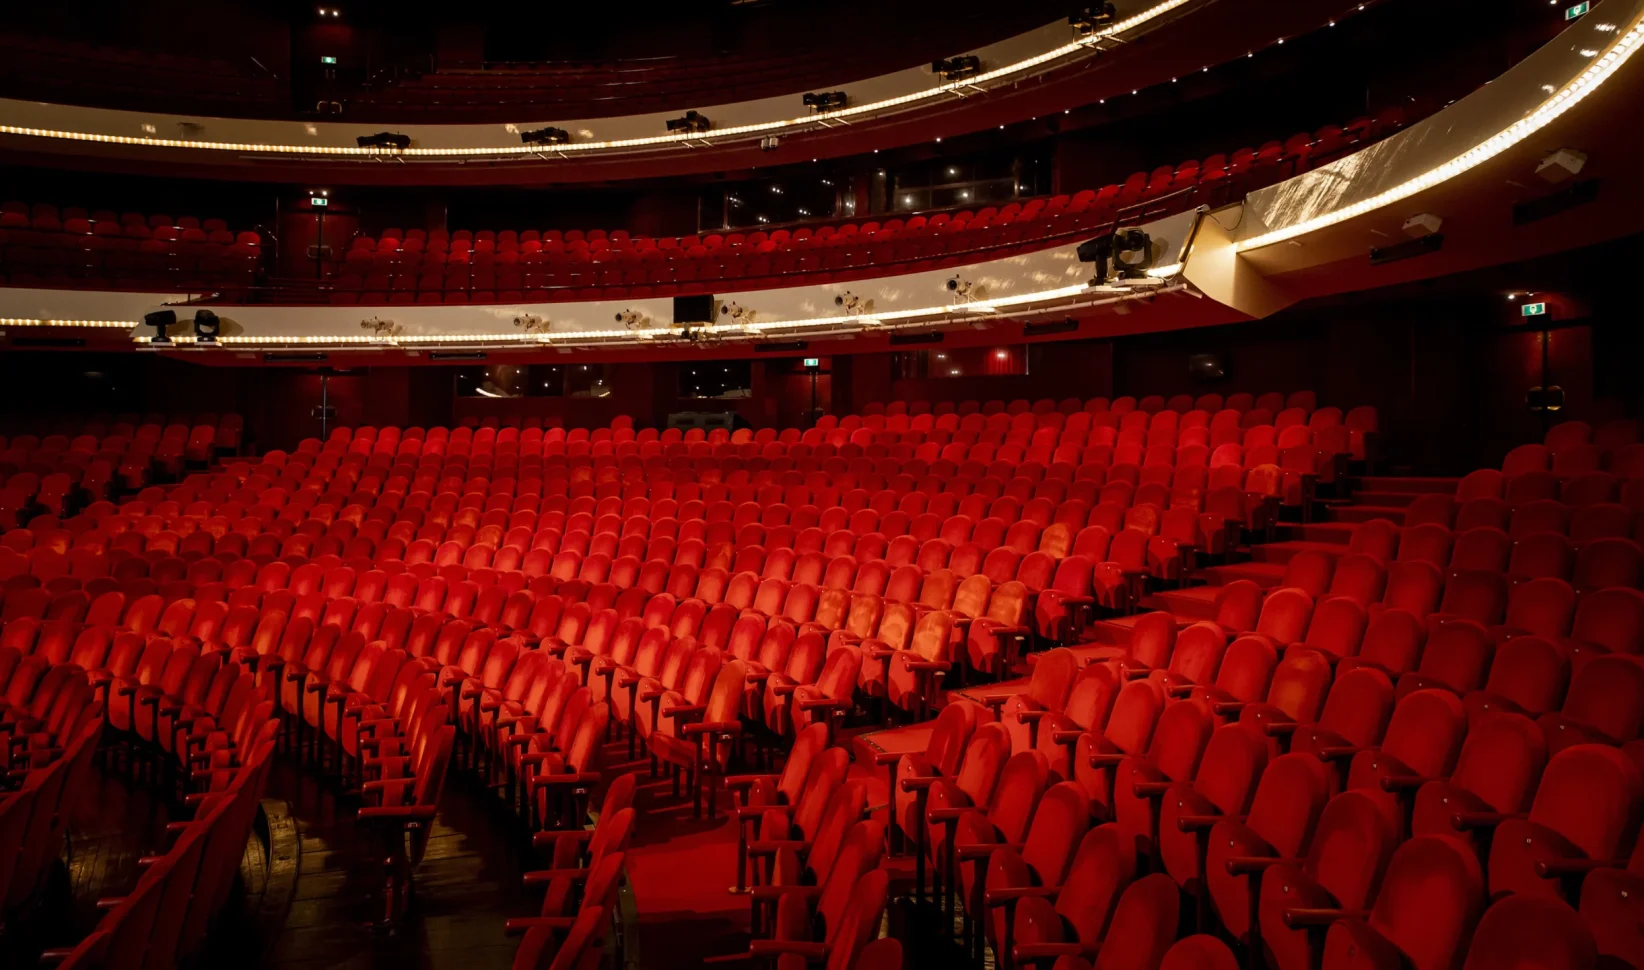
[[889, 267], [1130, 215], [631, 133]]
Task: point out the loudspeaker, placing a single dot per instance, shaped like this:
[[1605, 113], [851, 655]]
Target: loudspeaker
[[694, 309], [1561, 164]]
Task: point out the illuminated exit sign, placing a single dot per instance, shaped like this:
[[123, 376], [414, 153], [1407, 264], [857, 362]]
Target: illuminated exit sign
[[1571, 13], [1533, 310], [813, 362], [319, 200], [332, 60]]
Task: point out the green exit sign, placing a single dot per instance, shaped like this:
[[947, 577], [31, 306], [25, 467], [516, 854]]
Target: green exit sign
[[1571, 13], [1533, 310], [813, 362], [319, 200], [328, 60]]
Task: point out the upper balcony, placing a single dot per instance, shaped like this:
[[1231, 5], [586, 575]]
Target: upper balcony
[[1030, 75], [385, 64]]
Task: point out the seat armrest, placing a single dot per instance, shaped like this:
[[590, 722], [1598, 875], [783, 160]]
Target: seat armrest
[[999, 896], [1301, 918], [1200, 823]]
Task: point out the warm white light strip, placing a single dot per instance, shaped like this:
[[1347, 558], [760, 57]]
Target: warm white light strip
[[547, 151], [933, 314], [263, 341], [1561, 101], [100, 324], [941, 311]]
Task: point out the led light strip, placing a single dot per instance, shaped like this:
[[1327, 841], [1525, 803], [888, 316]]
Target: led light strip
[[1563, 100], [99, 324], [649, 333], [764, 127]]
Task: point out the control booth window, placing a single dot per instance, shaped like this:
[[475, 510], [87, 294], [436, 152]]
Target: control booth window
[[588, 380], [961, 362], [716, 379], [960, 183], [536, 380]]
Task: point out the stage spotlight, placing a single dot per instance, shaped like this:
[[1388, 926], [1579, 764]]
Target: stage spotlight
[[824, 100], [1098, 252], [385, 139], [206, 327], [957, 68], [161, 321], [545, 136], [1095, 16], [692, 122], [1132, 253]]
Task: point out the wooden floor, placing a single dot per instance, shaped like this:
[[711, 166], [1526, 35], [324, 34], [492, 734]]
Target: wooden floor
[[317, 901], [468, 884], [315, 909]]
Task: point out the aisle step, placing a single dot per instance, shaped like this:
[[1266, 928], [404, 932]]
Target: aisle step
[[1283, 552], [1364, 513], [1190, 605], [1338, 533], [1264, 574], [1409, 484], [1397, 499], [1113, 631]]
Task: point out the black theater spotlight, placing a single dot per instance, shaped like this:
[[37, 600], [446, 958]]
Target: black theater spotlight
[[161, 321], [824, 100], [1097, 252], [206, 327], [545, 136], [691, 122], [385, 139], [1095, 16], [1132, 253], [957, 68]]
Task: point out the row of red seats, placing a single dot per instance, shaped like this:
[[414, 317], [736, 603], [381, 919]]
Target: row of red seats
[[579, 888], [56, 70], [57, 473], [40, 246], [1329, 803], [1270, 401], [1404, 569], [1417, 572], [50, 723], [39, 428], [1535, 548], [314, 668], [507, 267], [593, 89], [187, 684], [166, 916], [542, 547], [45, 217], [1361, 418], [1293, 153], [1582, 518], [724, 694], [1624, 458], [655, 278], [1608, 436], [394, 251], [1411, 581], [91, 683]]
